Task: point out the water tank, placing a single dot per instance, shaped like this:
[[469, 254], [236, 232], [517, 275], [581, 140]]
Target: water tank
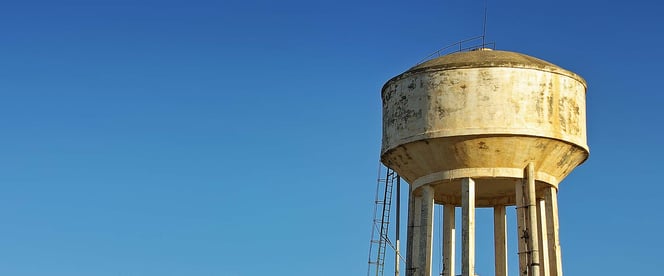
[[483, 114]]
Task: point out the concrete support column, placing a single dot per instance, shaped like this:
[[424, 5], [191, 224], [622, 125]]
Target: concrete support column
[[544, 248], [397, 253], [522, 233], [500, 239], [420, 238], [468, 227], [449, 236], [533, 239], [410, 240], [426, 231], [551, 211]]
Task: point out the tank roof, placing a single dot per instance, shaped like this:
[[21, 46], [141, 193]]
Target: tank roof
[[488, 58]]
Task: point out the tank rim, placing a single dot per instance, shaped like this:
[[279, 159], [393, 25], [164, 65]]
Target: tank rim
[[585, 148], [485, 59]]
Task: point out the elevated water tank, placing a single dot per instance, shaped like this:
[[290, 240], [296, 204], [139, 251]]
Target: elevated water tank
[[485, 115]]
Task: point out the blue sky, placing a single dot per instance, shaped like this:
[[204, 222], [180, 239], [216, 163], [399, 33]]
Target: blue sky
[[242, 137]]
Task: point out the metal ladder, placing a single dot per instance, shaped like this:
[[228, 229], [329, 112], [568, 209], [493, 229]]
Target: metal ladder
[[381, 221]]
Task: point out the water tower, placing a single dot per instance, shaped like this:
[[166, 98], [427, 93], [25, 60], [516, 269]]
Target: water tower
[[485, 129]]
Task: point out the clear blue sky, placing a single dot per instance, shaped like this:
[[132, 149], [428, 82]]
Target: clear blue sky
[[240, 138]]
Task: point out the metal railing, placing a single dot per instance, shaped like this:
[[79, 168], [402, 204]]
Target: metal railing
[[477, 42]]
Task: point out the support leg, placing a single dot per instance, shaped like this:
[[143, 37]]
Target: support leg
[[449, 237], [397, 253], [413, 203], [522, 234], [541, 227], [420, 253], [555, 261], [533, 239], [468, 227], [426, 232], [500, 239]]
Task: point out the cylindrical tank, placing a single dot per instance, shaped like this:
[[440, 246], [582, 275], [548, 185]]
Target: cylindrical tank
[[483, 114]]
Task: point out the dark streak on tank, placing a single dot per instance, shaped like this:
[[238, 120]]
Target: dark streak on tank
[[412, 85], [539, 105], [564, 160], [549, 100], [562, 119]]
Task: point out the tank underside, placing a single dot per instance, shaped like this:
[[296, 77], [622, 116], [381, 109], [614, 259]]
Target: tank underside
[[495, 162]]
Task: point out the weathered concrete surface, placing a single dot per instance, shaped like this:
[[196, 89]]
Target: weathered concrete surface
[[420, 232], [462, 128], [468, 227], [500, 240], [449, 241], [484, 115]]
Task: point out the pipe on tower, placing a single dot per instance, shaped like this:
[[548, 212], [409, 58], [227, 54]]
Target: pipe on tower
[[533, 240]]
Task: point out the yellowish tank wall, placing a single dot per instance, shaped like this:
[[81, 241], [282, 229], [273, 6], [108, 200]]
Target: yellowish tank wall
[[484, 101]]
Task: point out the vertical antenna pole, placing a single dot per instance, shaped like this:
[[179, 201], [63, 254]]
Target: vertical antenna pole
[[484, 25], [397, 254]]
